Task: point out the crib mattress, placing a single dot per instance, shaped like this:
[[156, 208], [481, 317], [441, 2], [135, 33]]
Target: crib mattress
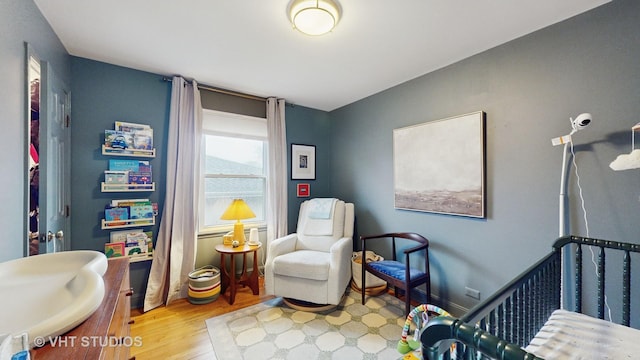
[[570, 335]]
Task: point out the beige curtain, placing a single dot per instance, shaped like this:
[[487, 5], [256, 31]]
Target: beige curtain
[[277, 172], [175, 251]]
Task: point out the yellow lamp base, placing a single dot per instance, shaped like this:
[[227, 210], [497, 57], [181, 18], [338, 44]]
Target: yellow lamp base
[[238, 232]]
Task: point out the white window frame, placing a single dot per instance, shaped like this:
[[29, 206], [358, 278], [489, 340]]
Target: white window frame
[[225, 124]]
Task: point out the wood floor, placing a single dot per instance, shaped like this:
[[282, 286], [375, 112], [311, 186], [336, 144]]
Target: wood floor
[[178, 331]]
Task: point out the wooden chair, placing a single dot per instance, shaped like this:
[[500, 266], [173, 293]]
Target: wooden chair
[[400, 275]]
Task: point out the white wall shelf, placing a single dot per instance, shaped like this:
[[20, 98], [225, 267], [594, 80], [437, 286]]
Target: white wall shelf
[[129, 223], [128, 152], [127, 187]]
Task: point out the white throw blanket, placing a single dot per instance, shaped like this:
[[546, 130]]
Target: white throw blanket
[[570, 335], [321, 208], [320, 217]]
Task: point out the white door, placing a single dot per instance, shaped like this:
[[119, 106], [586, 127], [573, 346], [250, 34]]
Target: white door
[[55, 164]]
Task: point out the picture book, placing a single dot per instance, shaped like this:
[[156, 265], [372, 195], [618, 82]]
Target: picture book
[[135, 250], [130, 127], [118, 139], [112, 214], [141, 211], [121, 236], [129, 202], [139, 178], [137, 238], [125, 165], [141, 134], [116, 177], [112, 250], [143, 139]]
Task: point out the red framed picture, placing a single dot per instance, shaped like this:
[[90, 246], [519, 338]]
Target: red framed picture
[[303, 190]]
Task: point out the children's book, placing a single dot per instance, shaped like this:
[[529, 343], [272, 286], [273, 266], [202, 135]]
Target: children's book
[[124, 165], [116, 213], [141, 211], [112, 250], [130, 127], [118, 139], [116, 177]]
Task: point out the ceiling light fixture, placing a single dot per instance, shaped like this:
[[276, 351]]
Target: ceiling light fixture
[[314, 17]]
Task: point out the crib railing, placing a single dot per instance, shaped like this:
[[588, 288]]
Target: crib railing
[[601, 270], [503, 324]]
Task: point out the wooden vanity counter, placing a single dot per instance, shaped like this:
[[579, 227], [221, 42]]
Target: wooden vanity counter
[[106, 333]]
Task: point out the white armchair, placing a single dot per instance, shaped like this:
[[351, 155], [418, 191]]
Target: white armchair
[[313, 264]]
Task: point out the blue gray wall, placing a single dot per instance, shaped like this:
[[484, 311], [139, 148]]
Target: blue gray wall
[[308, 127], [528, 88], [102, 94], [20, 22]]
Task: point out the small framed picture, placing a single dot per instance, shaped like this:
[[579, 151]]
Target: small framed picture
[[303, 162], [303, 190]]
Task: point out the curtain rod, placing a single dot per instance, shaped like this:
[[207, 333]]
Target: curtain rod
[[223, 91]]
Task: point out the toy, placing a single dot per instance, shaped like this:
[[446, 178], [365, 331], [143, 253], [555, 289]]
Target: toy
[[404, 345]]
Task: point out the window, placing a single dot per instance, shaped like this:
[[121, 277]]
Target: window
[[234, 165]]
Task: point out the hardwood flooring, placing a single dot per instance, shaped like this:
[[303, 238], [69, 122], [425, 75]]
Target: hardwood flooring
[[178, 331]]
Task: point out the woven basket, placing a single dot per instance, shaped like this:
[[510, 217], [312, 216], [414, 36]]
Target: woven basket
[[204, 285]]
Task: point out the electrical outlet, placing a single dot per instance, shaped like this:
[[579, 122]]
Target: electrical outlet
[[472, 293]]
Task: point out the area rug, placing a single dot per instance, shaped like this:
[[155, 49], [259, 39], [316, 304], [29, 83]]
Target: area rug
[[272, 330]]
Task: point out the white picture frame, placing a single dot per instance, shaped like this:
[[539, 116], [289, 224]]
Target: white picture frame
[[303, 162]]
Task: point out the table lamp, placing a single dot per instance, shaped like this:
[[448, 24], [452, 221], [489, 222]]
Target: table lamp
[[238, 210]]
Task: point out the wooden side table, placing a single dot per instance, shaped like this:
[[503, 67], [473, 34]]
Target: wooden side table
[[229, 276]]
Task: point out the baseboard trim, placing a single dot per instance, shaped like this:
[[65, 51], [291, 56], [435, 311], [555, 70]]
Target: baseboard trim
[[451, 307]]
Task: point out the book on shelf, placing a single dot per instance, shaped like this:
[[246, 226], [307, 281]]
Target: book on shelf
[[116, 177], [121, 236], [113, 214], [127, 165], [132, 238], [137, 208], [136, 244], [141, 211], [143, 139], [138, 171], [112, 250], [128, 202], [130, 127], [118, 140], [139, 179], [141, 134]]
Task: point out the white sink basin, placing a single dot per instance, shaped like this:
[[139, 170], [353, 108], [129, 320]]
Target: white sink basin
[[50, 294]]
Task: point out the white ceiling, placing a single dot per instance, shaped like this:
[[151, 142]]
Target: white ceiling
[[249, 45]]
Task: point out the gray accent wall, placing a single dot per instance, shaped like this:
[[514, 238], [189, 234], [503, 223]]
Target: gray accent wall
[[529, 88], [20, 22]]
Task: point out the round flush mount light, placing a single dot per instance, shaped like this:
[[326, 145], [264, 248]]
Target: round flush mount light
[[314, 17]]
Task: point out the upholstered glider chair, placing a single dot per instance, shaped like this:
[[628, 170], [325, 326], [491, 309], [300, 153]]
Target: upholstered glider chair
[[399, 274], [313, 265]]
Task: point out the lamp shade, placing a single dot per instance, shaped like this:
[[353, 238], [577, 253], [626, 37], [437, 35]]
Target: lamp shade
[[314, 17], [238, 210]]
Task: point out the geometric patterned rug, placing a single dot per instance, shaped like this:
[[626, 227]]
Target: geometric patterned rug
[[272, 330]]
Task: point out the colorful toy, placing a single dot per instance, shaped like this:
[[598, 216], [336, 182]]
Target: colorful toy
[[404, 345]]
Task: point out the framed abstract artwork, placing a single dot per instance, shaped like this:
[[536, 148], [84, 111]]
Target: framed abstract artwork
[[303, 162], [439, 166]]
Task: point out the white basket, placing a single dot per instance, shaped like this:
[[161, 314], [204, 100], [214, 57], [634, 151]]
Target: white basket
[[356, 270]]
